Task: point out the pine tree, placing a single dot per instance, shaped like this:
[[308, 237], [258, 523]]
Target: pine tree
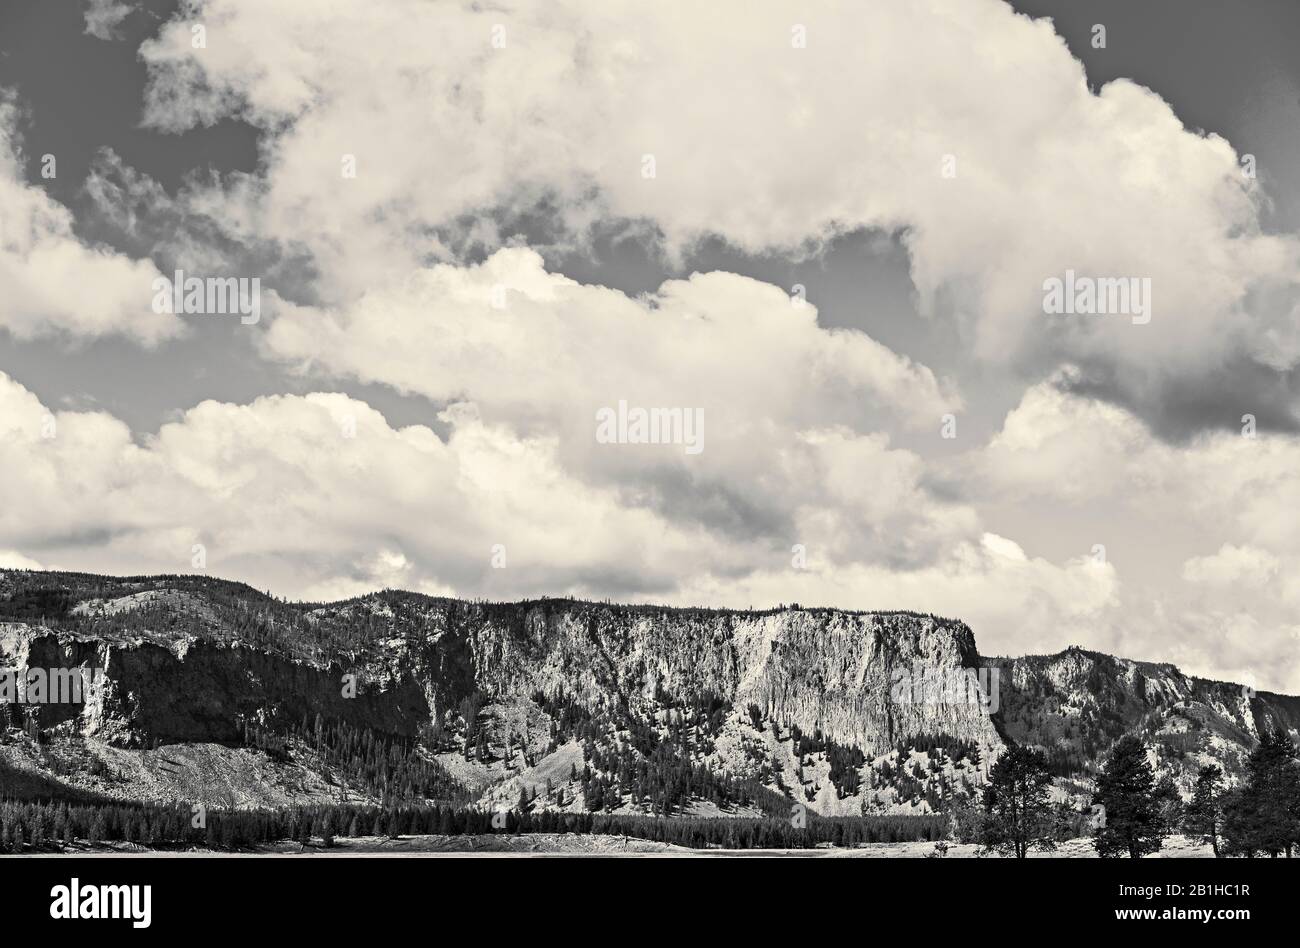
[[1169, 802], [1203, 817], [1018, 814], [97, 829], [1126, 789], [1264, 816]]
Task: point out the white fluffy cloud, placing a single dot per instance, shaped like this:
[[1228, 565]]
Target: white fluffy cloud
[[53, 283], [316, 494], [1232, 566], [788, 408], [510, 335], [1229, 605], [1057, 447], [513, 106]]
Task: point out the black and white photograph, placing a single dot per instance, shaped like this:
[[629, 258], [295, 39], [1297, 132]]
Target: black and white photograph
[[522, 443]]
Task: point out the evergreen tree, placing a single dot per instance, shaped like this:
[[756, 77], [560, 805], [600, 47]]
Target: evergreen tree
[[97, 829], [1264, 817], [1018, 814], [1203, 817], [1169, 802], [1126, 789]]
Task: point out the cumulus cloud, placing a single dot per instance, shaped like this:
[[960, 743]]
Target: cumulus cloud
[[314, 493], [1232, 565], [530, 346], [789, 409], [1059, 447], [1228, 605], [56, 285], [774, 129], [1056, 446]]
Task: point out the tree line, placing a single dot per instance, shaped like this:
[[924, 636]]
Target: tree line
[[52, 826]]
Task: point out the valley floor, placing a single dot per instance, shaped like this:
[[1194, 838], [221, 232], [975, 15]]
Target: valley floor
[[569, 844]]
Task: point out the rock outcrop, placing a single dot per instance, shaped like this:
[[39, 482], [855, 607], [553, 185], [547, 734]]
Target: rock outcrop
[[819, 670]]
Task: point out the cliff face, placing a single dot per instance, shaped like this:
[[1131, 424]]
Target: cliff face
[[824, 670]]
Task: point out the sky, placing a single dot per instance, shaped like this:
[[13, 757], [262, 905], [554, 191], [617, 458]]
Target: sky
[[826, 230]]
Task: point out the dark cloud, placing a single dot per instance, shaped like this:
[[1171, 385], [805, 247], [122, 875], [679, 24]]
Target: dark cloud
[[1213, 400]]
